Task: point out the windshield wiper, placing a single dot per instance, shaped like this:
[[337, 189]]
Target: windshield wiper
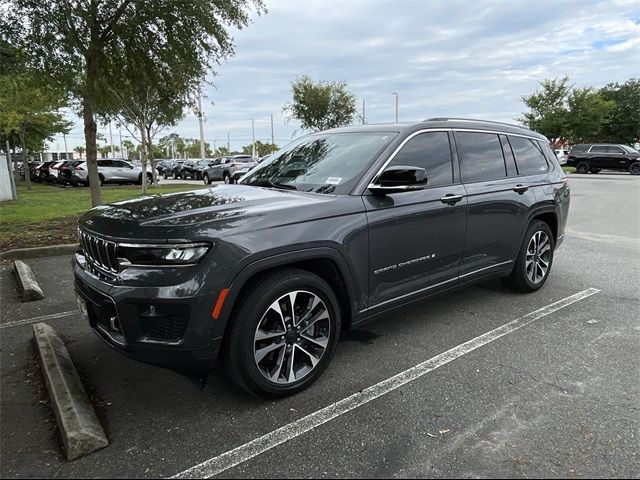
[[272, 184]]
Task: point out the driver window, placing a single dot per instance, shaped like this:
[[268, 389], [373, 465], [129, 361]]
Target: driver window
[[431, 151]]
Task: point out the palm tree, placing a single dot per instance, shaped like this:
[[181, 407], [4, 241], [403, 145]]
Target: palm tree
[[80, 150]]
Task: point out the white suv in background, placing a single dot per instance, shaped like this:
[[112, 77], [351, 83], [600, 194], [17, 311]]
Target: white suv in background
[[110, 170]]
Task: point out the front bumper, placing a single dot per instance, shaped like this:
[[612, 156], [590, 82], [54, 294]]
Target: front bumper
[[155, 326]]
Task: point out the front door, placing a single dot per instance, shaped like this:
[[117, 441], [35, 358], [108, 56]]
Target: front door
[[416, 238]]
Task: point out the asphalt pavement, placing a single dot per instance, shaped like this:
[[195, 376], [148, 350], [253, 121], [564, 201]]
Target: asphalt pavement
[[557, 397]]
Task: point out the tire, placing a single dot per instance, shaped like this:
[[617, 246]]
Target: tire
[[634, 168], [270, 376], [100, 180], [582, 168], [205, 179], [165, 176], [523, 278], [227, 178], [595, 170]]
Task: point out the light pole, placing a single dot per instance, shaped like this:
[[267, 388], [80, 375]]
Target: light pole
[[113, 152], [200, 115], [397, 117]]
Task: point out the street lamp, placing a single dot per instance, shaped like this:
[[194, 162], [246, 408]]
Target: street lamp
[[397, 118]]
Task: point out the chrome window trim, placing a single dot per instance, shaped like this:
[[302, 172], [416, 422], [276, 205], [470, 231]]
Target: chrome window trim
[[441, 129]]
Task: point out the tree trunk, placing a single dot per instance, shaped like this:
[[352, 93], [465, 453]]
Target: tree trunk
[[143, 159], [154, 174], [25, 161], [90, 130]]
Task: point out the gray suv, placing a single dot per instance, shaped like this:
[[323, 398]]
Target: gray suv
[[229, 169], [338, 228]]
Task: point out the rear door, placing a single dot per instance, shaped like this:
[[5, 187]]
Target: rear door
[[416, 238], [499, 200]]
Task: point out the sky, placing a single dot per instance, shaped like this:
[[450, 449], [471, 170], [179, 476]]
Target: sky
[[444, 58]]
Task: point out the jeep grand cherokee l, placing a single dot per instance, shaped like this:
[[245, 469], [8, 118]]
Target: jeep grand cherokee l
[[592, 158], [335, 229]]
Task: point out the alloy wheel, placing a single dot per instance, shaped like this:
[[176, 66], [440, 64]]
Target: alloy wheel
[[538, 257], [292, 337]]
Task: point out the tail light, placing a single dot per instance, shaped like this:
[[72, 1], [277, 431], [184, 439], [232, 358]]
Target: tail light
[[236, 165], [78, 167], [565, 182]]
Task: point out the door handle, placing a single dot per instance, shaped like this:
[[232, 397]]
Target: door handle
[[451, 199], [520, 188]]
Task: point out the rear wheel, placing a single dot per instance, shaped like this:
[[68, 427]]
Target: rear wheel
[[164, 175], [284, 333], [634, 168], [205, 179], [227, 178], [100, 180], [582, 168], [534, 261]]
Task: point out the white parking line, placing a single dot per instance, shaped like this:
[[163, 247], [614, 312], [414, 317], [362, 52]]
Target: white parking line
[[51, 316], [241, 454]]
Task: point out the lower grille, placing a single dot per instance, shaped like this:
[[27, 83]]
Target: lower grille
[[164, 322], [99, 251]]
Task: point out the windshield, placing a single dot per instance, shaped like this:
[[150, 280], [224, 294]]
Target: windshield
[[629, 149], [321, 163]]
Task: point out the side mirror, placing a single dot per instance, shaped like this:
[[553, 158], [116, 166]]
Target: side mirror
[[399, 178]]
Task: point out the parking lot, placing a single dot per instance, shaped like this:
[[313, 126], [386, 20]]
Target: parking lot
[[558, 397]]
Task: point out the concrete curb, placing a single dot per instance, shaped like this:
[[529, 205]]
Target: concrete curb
[[39, 252], [27, 282], [80, 429]]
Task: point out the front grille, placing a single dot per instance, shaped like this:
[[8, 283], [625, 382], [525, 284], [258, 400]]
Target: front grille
[[99, 251]]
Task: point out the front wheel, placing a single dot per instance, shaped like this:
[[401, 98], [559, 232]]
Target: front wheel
[[284, 333], [534, 260], [205, 179], [634, 168]]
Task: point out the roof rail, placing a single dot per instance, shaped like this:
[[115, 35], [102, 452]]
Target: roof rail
[[447, 119]]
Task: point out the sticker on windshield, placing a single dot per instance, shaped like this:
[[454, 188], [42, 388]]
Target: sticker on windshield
[[333, 180]]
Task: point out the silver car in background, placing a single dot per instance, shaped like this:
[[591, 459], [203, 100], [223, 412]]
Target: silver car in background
[[229, 169], [111, 170]]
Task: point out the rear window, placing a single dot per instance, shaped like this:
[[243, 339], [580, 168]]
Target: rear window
[[481, 156], [529, 157]]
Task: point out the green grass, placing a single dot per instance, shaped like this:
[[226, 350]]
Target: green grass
[[569, 169], [47, 214]]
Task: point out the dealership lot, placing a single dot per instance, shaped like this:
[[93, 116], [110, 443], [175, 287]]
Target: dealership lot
[[558, 397]]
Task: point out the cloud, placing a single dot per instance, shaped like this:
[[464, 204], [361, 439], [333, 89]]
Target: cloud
[[455, 58]]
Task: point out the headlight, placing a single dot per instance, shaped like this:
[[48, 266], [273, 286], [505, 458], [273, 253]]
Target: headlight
[[161, 255]]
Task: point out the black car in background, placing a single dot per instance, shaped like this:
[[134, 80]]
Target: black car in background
[[592, 158], [188, 169], [337, 228], [171, 169]]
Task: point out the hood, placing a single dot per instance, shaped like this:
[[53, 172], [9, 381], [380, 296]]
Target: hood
[[216, 209]]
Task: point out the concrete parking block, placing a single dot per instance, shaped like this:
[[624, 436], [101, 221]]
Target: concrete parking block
[[39, 252], [78, 424], [27, 282]]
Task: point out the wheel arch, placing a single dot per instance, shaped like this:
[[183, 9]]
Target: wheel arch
[[326, 262]]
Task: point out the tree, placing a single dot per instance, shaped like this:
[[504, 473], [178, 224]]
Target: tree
[[221, 152], [262, 149], [29, 113], [588, 114], [322, 105], [79, 150], [128, 145], [548, 112], [79, 44], [624, 119]]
